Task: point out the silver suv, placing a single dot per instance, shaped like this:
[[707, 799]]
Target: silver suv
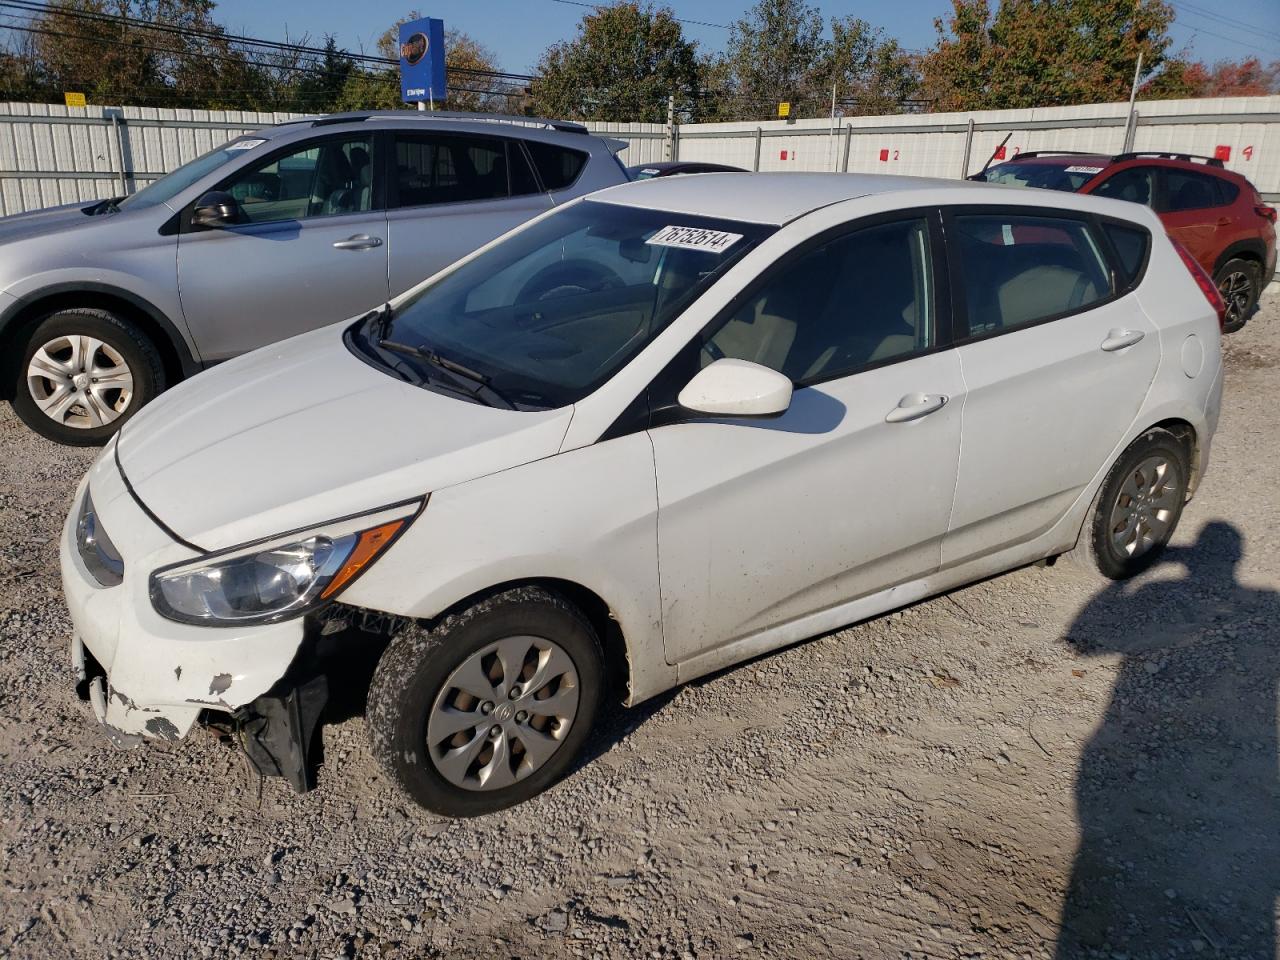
[[104, 304]]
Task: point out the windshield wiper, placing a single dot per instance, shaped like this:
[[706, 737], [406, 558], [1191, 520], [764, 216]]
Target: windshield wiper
[[480, 387]]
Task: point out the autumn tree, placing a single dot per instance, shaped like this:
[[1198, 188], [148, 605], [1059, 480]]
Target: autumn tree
[[1045, 52], [1232, 78], [624, 63]]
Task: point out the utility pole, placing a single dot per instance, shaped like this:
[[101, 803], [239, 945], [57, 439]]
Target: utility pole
[[1131, 123]]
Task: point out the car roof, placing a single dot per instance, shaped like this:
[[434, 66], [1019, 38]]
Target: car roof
[[777, 199], [1060, 160], [771, 198]]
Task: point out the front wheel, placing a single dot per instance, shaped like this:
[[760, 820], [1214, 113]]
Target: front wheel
[[1240, 284], [1138, 507], [490, 707], [82, 374]]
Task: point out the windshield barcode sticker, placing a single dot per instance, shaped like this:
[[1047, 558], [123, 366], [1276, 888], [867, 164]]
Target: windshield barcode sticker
[[1084, 169], [695, 238], [245, 144]]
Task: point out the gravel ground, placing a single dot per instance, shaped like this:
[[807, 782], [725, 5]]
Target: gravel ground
[[1034, 766]]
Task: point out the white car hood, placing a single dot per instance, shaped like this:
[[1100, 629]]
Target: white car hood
[[304, 431]]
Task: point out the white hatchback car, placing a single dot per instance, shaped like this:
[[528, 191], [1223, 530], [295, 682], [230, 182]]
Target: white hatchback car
[[659, 431]]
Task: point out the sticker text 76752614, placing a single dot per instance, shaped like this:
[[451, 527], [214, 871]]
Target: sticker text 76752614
[[695, 238]]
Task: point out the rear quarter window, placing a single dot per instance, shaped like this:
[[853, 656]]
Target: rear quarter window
[[558, 167], [1131, 244]]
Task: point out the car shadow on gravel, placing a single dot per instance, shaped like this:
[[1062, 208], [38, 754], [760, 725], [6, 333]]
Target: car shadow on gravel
[[1177, 792]]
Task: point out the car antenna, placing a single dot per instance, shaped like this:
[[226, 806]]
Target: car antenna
[[994, 152]]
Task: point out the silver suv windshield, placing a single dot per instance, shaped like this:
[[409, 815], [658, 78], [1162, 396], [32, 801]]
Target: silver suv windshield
[[174, 182], [546, 317]]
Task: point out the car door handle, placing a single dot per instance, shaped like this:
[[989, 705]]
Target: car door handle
[[1119, 339], [360, 241], [1224, 221], [914, 406]]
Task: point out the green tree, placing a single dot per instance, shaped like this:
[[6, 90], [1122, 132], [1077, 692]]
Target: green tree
[[780, 51], [1045, 52], [321, 89], [624, 63], [117, 56]]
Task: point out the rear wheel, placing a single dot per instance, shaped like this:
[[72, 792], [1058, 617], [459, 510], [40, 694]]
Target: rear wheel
[[1239, 283], [1138, 507], [491, 706], [82, 374]]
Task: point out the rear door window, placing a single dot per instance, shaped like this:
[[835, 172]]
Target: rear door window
[[1188, 190], [1018, 269], [441, 168], [557, 166]]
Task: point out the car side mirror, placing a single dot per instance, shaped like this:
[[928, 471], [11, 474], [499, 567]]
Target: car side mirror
[[737, 388], [216, 209]]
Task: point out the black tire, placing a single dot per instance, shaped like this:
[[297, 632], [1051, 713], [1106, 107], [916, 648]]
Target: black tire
[[1097, 550], [416, 666], [133, 346], [1240, 283]]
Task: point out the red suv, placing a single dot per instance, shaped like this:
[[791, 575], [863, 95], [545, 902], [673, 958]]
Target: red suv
[[1217, 215]]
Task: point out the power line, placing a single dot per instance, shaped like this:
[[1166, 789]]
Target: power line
[[1225, 20], [602, 6], [1209, 33]]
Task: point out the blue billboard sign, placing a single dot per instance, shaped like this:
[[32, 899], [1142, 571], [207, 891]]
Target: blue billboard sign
[[422, 61]]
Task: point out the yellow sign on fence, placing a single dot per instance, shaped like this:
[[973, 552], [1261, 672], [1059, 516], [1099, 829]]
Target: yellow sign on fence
[[75, 99], [784, 109]]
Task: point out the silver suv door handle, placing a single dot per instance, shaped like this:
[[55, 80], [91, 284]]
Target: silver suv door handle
[[914, 406], [361, 241], [1119, 339]]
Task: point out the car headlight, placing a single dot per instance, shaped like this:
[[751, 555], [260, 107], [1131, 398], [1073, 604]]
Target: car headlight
[[279, 578]]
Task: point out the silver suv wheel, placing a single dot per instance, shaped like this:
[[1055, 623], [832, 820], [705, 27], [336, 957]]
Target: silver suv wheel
[[80, 382]]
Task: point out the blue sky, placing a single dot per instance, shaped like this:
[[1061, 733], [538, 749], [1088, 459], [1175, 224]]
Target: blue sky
[[519, 30]]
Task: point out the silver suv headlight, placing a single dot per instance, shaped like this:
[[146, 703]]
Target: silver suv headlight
[[279, 578]]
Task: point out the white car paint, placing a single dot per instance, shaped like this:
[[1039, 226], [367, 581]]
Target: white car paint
[[711, 540]]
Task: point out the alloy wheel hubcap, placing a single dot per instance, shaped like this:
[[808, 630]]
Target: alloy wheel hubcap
[[79, 381], [1236, 290], [502, 713], [1143, 513]]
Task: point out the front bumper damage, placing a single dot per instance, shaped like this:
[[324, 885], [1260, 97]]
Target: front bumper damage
[[263, 687]]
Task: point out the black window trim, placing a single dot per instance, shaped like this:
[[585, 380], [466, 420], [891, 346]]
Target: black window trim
[[1092, 221], [392, 173], [656, 405], [376, 197]]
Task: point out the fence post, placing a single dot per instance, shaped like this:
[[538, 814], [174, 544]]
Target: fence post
[[848, 142], [117, 127], [759, 138], [968, 148], [669, 145]]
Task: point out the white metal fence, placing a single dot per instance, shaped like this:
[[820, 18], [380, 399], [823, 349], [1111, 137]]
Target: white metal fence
[[52, 154]]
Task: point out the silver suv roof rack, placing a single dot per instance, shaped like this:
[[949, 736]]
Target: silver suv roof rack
[[563, 126]]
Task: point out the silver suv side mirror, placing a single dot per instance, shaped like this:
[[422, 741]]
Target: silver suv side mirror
[[216, 209]]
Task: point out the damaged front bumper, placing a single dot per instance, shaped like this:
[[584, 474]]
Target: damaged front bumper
[[149, 677]]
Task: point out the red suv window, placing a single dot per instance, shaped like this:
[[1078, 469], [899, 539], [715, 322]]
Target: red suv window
[[1188, 190]]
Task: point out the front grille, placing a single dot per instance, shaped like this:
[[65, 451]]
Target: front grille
[[99, 554]]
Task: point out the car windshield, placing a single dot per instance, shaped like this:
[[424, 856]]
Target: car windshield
[[549, 315], [174, 182], [1070, 175]]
